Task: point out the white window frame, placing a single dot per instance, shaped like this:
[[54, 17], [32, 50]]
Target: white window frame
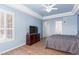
[[5, 39]]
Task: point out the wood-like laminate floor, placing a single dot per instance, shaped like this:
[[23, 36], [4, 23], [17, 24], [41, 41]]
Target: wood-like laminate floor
[[35, 49]]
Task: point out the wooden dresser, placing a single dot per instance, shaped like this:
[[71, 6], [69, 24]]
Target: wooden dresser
[[32, 38]]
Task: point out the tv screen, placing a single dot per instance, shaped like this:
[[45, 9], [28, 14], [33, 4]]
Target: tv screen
[[33, 29]]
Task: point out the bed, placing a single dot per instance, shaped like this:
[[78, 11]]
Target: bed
[[67, 43]]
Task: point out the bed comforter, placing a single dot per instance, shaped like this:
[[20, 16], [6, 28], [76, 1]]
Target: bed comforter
[[67, 43]]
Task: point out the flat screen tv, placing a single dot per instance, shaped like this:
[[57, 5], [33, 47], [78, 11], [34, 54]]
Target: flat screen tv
[[33, 29]]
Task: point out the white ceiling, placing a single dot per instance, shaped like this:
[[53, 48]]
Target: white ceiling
[[36, 10]]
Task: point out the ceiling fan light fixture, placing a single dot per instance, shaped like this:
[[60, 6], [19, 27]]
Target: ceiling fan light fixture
[[49, 7], [48, 10]]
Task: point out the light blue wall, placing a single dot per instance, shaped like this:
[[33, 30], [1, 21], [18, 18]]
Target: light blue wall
[[69, 25], [22, 22]]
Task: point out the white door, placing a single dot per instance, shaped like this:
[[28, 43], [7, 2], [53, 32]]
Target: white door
[[58, 27]]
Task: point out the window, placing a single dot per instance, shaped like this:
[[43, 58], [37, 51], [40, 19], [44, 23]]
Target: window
[[6, 26]]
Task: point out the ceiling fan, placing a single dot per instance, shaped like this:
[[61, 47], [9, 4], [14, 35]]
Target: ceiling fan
[[49, 7]]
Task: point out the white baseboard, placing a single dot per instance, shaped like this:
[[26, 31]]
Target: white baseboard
[[12, 48]]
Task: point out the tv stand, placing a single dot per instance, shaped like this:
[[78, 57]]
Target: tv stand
[[32, 38]]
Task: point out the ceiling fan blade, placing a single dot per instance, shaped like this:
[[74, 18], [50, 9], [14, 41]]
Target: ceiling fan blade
[[54, 8], [52, 5], [44, 6]]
